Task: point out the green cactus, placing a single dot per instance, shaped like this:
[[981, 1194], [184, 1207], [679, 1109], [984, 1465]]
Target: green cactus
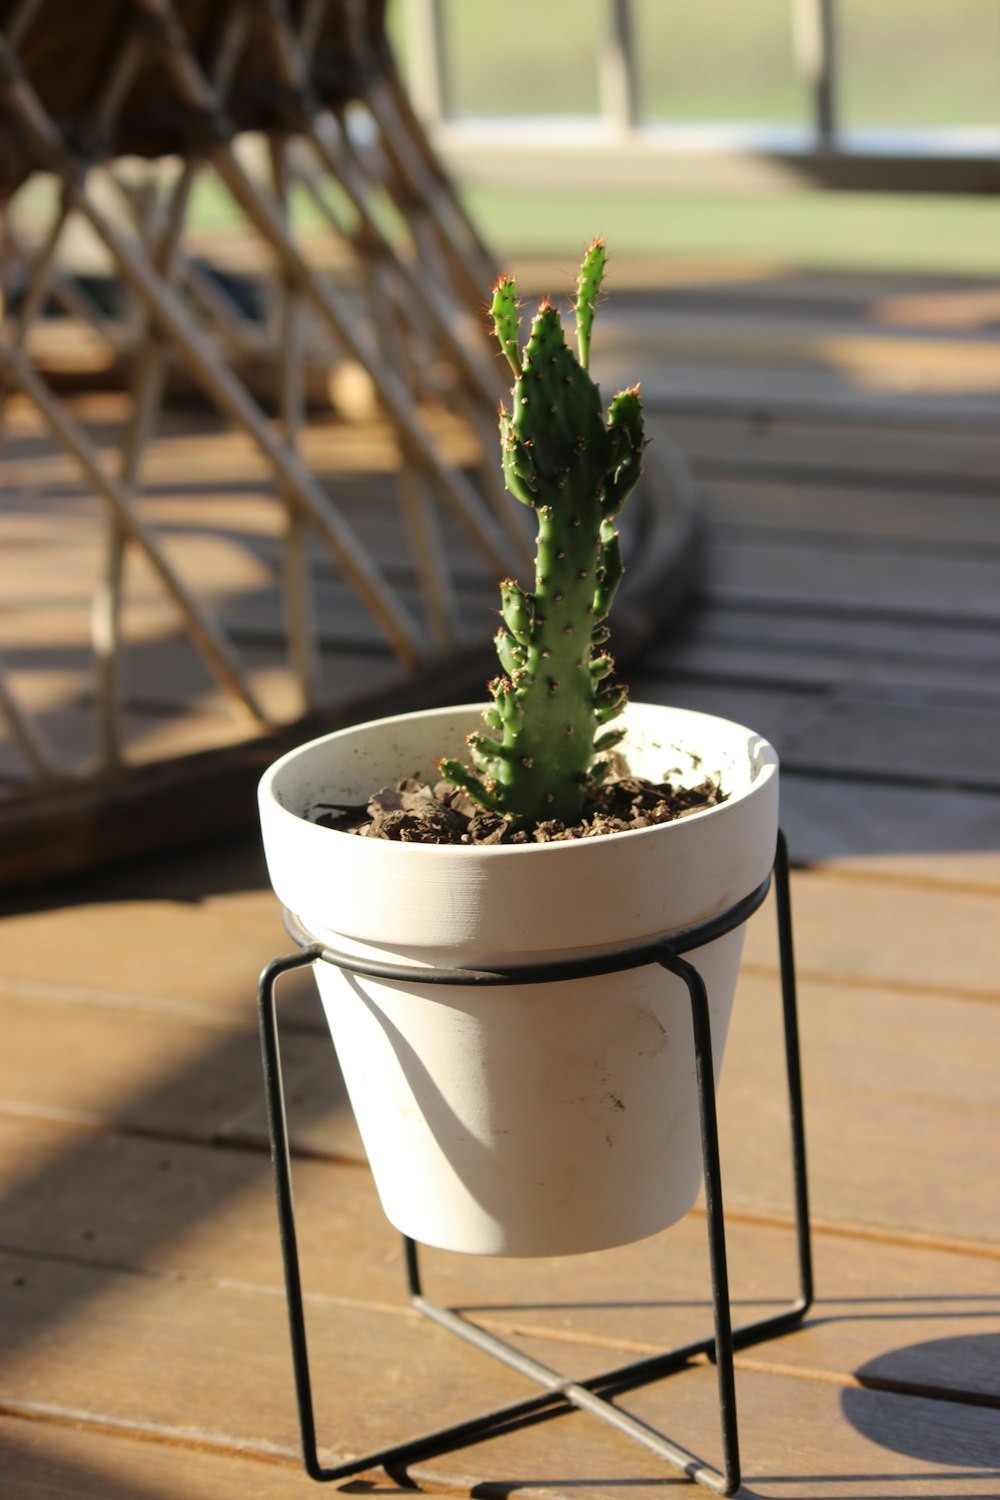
[[540, 750]]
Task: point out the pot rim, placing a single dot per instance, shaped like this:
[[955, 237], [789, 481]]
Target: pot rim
[[763, 755]]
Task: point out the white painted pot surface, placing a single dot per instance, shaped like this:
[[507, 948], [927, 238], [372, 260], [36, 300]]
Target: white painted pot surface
[[536, 1119]]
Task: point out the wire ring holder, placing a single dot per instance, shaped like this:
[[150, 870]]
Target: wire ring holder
[[594, 1394]]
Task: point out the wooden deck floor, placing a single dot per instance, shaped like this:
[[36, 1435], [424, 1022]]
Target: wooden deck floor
[[850, 610]]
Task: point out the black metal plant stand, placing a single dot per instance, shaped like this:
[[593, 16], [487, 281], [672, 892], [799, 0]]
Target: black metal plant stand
[[595, 1394]]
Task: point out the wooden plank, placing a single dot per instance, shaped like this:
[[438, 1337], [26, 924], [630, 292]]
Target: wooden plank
[[813, 392], [146, 955], [975, 305], [806, 302], [900, 1086], [788, 661], [209, 1364], [873, 357], [152, 1371], [755, 442], [218, 872], [157, 1074], [191, 1210], [940, 743], [46, 1460], [217, 469], [773, 507], [894, 832], [797, 1439], [195, 1213], [856, 638], [876, 932], [729, 349], [761, 281], [919, 583], [935, 740]]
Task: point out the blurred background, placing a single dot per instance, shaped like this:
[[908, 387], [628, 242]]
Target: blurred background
[[250, 484], [692, 123]]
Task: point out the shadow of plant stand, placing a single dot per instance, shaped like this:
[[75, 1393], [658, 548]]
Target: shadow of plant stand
[[558, 1393]]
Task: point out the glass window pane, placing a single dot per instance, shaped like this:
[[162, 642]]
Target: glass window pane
[[717, 60], [522, 57], [918, 62]]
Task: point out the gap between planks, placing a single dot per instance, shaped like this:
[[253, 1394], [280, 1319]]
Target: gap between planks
[[833, 980], [152, 1432]]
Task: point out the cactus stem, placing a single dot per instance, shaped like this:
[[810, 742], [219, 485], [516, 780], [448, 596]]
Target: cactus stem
[[573, 463]]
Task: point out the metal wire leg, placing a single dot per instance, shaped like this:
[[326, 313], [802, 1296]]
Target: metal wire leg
[[398, 1454], [708, 1121], [281, 1161], [594, 1395], [793, 1066]]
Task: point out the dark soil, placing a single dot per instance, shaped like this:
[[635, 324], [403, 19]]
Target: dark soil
[[412, 812]]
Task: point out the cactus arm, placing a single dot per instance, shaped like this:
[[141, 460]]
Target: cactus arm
[[610, 571], [516, 611], [628, 441], [518, 468], [506, 323], [587, 288], [512, 657], [461, 776]]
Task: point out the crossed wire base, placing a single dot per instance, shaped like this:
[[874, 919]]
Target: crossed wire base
[[558, 1393]]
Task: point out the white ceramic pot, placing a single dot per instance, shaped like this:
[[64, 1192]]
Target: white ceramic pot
[[536, 1119]]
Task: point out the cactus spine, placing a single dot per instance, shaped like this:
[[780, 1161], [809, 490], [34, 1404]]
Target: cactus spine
[[539, 751]]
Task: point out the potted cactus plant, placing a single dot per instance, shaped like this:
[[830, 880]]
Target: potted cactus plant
[[556, 1117]]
